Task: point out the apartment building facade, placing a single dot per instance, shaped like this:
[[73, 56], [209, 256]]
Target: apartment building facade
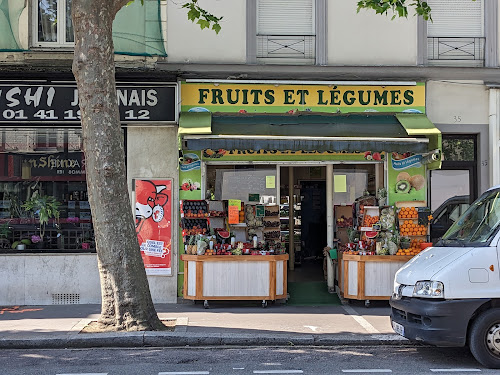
[[294, 45]]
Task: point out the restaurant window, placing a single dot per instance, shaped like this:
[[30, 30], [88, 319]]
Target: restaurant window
[[43, 170]]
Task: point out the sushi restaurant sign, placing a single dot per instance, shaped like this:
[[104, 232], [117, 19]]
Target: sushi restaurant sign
[[271, 98]]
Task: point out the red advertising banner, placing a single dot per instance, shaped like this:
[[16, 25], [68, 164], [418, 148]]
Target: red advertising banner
[[153, 224]]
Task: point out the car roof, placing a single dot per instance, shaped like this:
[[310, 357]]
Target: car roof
[[494, 188]]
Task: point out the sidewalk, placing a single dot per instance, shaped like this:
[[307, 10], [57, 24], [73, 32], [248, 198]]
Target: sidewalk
[[238, 323]]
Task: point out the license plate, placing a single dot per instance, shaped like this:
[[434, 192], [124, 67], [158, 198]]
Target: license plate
[[398, 328]]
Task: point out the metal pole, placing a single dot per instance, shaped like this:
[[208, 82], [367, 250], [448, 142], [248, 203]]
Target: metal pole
[[291, 220], [329, 226]]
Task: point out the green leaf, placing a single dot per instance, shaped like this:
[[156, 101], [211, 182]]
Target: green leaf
[[193, 15], [203, 24], [216, 27]]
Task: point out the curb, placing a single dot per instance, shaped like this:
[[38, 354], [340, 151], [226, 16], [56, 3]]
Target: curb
[[173, 339]]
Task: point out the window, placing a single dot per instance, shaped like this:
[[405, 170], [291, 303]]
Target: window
[[44, 162], [456, 36], [53, 23], [290, 31]]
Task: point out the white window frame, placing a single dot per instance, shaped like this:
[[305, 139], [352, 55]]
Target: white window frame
[[61, 26]]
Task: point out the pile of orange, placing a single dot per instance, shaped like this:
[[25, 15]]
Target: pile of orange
[[409, 228], [368, 220], [408, 213], [413, 250]]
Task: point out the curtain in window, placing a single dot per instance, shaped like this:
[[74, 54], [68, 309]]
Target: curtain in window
[[69, 23], [10, 10], [47, 20], [137, 29]]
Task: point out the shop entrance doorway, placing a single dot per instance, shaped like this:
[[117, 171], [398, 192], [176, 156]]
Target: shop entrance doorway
[[303, 203], [313, 194]]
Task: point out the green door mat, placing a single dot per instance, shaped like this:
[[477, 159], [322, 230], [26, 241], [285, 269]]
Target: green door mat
[[311, 294]]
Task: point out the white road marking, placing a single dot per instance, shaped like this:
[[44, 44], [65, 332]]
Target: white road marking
[[238, 368], [185, 373], [312, 328], [278, 372], [87, 373], [368, 370], [362, 321], [455, 370]]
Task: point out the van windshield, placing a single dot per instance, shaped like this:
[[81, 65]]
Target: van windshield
[[479, 223]]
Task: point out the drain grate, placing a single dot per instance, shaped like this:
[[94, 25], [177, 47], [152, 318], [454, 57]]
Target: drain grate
[[66, 299]]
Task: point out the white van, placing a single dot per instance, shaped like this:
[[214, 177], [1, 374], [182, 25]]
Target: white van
[[449, 294]]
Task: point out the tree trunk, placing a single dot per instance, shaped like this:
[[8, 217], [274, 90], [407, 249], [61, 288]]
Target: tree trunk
[[126, 299]]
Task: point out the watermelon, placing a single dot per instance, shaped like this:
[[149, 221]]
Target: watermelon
[[371, 234], [223, 233]]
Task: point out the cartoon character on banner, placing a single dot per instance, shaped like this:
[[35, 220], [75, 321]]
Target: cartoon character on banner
[[149, 211]]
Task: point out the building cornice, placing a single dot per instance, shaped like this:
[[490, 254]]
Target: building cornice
[[329, 73]]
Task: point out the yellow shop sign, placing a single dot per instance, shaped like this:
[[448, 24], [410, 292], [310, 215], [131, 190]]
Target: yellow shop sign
[[265, 98]]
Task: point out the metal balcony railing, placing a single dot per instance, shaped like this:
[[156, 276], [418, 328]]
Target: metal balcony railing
[[456, 48], [286, 46]]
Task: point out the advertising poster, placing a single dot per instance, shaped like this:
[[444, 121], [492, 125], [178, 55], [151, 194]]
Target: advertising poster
[[407, 178], [153, 223], [190, 175]]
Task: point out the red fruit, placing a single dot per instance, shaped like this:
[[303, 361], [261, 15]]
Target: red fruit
[[185, 186], [377, 156], [367, 153]]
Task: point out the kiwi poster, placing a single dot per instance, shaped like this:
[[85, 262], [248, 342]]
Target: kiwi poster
[[406, 179]]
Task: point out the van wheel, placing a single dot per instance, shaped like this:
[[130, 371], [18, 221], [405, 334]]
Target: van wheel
[[484, 340]]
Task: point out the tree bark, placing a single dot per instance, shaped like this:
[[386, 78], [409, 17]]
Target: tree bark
[[126, 298]]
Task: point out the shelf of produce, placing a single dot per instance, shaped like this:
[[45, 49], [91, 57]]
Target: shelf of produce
[[235, 277], [368, 277]]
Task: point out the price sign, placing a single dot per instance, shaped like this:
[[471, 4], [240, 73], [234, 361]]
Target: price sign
[[233, 216]]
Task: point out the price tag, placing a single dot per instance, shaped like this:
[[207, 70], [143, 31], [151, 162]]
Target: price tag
[[233, 215]]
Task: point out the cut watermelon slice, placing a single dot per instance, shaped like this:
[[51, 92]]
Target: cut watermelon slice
[[371, 234], [223, 233]]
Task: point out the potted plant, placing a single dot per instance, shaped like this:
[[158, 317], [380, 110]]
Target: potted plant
[[4, 234], [21, 244], [86, 240], [45, 207]]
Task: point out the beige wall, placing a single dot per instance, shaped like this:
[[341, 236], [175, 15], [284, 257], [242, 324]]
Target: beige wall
[[186, 42], [457, 102], [32, 279], [366, 38], [152, 153]]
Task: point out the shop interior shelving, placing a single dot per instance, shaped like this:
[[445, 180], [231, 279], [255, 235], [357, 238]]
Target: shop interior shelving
[[285, 221]]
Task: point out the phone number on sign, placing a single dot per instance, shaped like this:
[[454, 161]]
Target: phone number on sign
[[69, 115]]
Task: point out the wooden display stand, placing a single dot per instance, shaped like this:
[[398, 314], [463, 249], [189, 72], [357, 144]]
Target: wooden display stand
[[341, 232], [368, 277], [235, 277]]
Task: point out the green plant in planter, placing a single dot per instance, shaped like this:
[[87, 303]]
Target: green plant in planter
[[46, 207], [4, 236], [23, 242]]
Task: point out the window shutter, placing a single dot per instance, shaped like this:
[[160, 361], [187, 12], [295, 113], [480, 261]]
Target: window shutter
[[456, 18], [285, 17]]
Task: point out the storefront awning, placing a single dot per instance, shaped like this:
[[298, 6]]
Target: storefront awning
[[308, 132], [195, 123], [419, 125]]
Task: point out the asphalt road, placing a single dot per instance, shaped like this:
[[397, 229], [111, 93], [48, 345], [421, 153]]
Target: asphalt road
[[241, 361]]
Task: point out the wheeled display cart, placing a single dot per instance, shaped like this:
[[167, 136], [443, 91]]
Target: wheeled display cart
[[369, 277], [235, 277]]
